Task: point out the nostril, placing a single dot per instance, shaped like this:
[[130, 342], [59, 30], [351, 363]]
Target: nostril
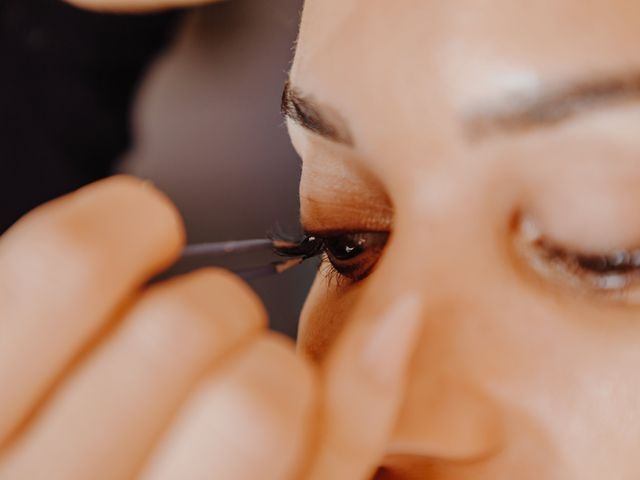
[[382, 474], [448, 420], [405, 468]]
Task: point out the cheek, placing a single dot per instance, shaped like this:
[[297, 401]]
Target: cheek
[[508, 376], [323, 317], [550, 389]]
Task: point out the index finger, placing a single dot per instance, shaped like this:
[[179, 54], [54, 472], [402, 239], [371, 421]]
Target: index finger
[[364, 386], [136, 5], [64, 270]]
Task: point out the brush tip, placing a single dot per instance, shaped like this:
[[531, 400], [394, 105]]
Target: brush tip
[[289, 264]]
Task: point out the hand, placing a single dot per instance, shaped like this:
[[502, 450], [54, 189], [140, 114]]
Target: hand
[[102, 377], [136, 5]]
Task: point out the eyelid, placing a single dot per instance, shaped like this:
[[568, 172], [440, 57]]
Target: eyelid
[[356, 254], [345, 254], [565, 266]]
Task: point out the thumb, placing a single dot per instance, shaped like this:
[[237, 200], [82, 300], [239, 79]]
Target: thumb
[[364, 386]]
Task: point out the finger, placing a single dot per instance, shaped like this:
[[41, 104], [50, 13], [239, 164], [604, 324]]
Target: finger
[[364, 384], [136, 5], [64, 269], [252, 421], [103, 420]]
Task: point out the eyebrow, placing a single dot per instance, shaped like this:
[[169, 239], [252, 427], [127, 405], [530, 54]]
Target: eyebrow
[[553, 105], [318, 119], [549, 106]]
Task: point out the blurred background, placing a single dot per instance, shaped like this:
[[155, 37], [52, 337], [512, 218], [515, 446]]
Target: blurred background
[[189, 100]]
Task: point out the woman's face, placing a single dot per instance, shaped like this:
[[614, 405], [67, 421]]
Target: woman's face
[[499, 145]]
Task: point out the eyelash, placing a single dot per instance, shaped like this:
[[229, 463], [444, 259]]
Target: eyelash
[[606, 273], [611, 275], [614, 275], [331, 275], [345, 257]]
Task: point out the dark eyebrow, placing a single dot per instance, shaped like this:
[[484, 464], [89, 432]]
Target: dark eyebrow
[[553, 105], [320, 120]]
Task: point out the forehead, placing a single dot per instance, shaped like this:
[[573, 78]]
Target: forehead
[[416, 58]]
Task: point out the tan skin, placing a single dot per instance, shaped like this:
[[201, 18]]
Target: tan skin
[[108, 378], [523, 371], [485, 341]]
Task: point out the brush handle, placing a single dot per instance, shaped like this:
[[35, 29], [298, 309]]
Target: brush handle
[[219, 249]]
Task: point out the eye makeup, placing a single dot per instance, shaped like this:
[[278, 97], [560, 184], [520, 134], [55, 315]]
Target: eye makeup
[[351, 255]]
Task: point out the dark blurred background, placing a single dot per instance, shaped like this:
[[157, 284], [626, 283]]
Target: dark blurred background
[[187, 99]]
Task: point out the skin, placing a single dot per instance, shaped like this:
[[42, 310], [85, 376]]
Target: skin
[[465, 353], [111, 378], [106, 377], [520, 371]]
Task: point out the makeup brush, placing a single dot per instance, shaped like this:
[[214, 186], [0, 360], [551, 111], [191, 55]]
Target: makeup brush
[[219, 249], [235, 247]]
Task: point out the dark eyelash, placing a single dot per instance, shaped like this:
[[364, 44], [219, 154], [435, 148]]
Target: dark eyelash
[[619, 263], [593, 270], [331, 275], [309, 247], [612, 275]]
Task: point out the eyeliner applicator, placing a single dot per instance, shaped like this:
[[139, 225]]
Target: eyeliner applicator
[[235, 247]]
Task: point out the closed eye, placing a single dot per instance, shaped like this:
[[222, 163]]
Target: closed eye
[[614, 274]]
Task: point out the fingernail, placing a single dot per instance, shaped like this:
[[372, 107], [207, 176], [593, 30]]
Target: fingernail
[[395, 334]]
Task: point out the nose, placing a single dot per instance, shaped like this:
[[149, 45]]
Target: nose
[[449, 413], [446, 414]]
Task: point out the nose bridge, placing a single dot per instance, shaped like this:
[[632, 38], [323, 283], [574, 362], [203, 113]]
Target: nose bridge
[[450, 230], [445, 248]]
